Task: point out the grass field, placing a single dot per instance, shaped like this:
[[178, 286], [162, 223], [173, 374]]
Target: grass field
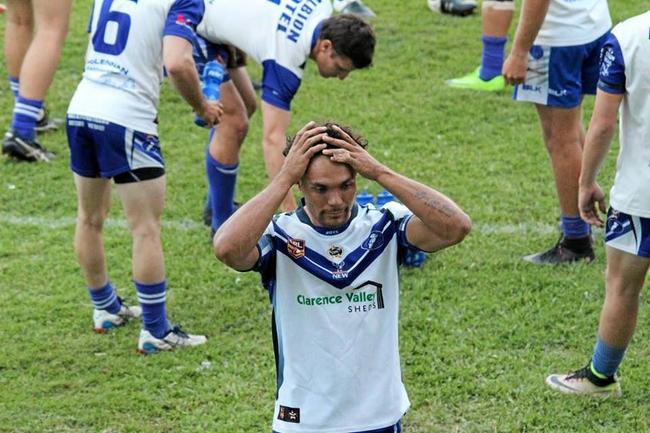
[[480, 329]]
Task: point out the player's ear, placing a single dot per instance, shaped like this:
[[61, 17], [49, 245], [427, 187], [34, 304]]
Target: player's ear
[[324, 45]]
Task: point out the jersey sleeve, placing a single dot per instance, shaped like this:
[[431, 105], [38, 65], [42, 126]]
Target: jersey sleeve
[[183, 17], [612, 67], [279, 85], [402, 215], [266, 261]]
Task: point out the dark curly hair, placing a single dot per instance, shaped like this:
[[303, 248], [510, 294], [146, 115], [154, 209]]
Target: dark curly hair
[[331, 132], [351, 37]]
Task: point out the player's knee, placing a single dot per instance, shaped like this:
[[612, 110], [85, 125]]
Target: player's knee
[[147, 230], [239, 126], [91, 222]]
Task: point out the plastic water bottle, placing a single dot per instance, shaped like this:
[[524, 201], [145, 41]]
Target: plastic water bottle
[[384, 197], [212, 77], [364, 197]]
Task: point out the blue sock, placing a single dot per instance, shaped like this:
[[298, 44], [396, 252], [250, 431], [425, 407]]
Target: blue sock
[[152, 299], [606, 358], [104, 298], [574, 227], [492, 60], [26, 114], [221, 182], [14, 84]]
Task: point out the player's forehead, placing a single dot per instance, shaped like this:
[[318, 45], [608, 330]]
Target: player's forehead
[[322, 171]]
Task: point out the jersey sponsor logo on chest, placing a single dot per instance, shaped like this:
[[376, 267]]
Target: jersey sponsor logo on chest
[[363, 298]]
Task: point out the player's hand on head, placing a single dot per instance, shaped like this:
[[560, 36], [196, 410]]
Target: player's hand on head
[[348, 151], [307, 142], [211, 113], [591, 200]]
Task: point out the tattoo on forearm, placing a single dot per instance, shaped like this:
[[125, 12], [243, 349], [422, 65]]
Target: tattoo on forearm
[[436, 203]]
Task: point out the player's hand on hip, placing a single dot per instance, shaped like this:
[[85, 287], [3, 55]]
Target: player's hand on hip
[[211, 113], [350, 152], [515, 68], [307, 142], [591, 199]]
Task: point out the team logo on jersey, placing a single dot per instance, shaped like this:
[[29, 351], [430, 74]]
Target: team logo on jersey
[[335, 251], [339, 273], [296, 247], [289, 414], [374, 241]]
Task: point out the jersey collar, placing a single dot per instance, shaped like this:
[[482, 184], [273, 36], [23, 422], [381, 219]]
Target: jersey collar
[[316, 35], [301, 213]]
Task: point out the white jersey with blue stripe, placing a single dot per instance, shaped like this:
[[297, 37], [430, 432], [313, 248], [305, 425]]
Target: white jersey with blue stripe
[[124, 59], [625, 66], [574, 22], [335, 296], [278, 34]]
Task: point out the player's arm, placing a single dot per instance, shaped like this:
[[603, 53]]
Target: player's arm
[[235, 243], [611, 90], [531, 19], [179, 63], [437, 221], [597, 143]]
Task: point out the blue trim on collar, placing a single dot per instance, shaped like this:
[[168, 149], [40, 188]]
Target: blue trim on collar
[[316, 34], [342, 275], [328, 231]]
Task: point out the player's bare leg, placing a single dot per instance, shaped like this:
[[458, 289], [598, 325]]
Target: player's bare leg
[[51, 18], [626, 274], [18, 34], [143, 206], [94, 202], [244, 86], [564, 138], [625, 277]]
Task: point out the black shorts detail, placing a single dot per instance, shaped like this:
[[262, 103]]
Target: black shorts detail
[[139, 174]]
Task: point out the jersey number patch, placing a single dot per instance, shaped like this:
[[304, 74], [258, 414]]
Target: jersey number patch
[[119, 23]]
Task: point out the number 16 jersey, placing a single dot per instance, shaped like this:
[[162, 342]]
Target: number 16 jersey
[[124, 59]]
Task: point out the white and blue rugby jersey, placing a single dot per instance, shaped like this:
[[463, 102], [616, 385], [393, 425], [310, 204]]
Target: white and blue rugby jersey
[[625, 69], [124, 59], [574, 22], [278, 34], [335, 296]]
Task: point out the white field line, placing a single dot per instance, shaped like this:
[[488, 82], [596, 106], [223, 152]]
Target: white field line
[[191, 225]]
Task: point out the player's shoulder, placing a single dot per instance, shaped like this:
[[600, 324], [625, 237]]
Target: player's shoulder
[[633, 23]]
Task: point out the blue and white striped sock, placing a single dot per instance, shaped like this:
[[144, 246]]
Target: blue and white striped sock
[[152, 299], [26, 114], [14, 84], [105, 298]]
